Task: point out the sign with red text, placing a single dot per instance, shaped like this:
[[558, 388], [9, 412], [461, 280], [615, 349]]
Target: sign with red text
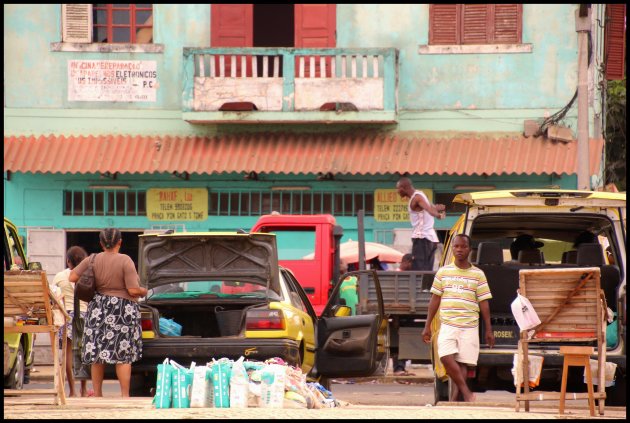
[[389, 206], [177, 204], [112, 80]]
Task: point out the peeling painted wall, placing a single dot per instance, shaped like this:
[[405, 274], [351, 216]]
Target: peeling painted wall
[[544, 79]]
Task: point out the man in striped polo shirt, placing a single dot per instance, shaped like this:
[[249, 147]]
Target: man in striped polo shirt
[[460, 291]]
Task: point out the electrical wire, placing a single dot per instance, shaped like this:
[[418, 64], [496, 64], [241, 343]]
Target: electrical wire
[[560, 114]]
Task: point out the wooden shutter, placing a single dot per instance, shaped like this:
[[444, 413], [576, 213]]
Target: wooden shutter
[[232, 26], [315, 26], [507, 24], [443, 24], [475, 23], [76, 23], [615, 49]]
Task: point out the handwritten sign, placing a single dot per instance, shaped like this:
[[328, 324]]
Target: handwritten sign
[[112, 80], [177, 204], [389, 206]]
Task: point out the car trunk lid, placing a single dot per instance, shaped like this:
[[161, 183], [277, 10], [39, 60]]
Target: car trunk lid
[[168, 258]]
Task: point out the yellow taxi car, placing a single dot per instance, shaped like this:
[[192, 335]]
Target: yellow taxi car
[[214, 295]]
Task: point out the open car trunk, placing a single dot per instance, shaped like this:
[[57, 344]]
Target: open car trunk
[[201, 320]]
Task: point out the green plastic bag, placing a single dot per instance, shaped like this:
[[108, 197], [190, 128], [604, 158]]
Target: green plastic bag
[[163, 392], [182, 381], [221, 371], [612, 333]]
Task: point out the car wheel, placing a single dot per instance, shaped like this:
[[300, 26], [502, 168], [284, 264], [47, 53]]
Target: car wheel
[[16, 376], [142, 385]]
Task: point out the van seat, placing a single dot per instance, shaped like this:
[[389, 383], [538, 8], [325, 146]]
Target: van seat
[[532, 256], [590, 254], [489, 253], [569, 257]]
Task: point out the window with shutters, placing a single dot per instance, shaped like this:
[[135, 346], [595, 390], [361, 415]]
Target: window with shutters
[[122, 23], [108, 27], [615, 39], [467, 24]]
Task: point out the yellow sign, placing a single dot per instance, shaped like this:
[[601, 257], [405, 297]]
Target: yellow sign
[[177, 204], [391, 207]]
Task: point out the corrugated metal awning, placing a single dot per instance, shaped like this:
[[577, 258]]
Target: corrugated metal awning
[[296, 154]]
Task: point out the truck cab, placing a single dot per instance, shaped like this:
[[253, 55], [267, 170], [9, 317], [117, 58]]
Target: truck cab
[[300, 235]]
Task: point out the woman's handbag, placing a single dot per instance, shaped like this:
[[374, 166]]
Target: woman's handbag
[[86, 285]]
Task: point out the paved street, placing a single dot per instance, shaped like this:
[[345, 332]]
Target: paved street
[[375, 399]]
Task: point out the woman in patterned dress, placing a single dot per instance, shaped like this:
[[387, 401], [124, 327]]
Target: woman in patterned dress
[[112, 332]]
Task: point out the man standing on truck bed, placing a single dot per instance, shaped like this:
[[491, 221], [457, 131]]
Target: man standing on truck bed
[[460, 291], [421, 213]]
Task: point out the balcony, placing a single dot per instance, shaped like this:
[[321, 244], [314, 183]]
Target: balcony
[[272, 85]]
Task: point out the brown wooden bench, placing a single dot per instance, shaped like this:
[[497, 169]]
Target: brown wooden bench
[[571, 308], [26, 294]]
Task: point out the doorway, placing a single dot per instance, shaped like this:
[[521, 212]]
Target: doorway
[[90, 242], [274, 26]]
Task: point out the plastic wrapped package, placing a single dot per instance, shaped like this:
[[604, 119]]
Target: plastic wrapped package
[[254, 398], [272, 385], [170, 327], [221, 371], [239, 385], [163, 386], [182, 381], [201, 394], [294, 400]]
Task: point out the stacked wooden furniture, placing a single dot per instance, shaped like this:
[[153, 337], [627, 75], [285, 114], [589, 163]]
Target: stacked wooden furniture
[[572, 311], [26, 294]]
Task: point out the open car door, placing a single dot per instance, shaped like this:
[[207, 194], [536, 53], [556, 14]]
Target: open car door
[[350, 345]]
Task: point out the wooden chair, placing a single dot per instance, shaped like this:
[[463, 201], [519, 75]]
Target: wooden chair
[[571, 307], [26, 293]]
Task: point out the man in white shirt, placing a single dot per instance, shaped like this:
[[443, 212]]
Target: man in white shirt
[[421, 215]]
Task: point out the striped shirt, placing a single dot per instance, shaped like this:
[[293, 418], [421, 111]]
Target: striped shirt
[[461, 290]]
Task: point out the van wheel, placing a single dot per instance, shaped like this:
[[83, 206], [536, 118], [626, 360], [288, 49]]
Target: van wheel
[[441, 390], [15, 380], [616, 394]]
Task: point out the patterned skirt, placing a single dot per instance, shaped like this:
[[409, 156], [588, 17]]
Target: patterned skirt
[[112, 334]]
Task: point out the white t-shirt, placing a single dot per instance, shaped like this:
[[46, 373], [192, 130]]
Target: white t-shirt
[[422, 222], [67, 289]]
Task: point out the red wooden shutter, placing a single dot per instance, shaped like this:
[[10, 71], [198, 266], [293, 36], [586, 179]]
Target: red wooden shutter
[[507, 28], [475, 23], [443, 24], [232, 26], [315, 26], [615, 50]]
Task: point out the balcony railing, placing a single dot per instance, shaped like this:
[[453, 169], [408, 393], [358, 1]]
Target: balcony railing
[[316, 84]]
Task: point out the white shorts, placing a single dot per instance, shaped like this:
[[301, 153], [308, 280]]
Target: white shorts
[[462, 342]]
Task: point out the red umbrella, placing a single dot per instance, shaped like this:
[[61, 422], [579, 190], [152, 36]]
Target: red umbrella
[[349, 252]]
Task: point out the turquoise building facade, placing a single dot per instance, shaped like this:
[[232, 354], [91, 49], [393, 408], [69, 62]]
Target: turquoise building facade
[[433, 95]]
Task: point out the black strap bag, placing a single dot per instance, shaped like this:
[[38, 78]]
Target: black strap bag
[[86, 285], [80, 371]]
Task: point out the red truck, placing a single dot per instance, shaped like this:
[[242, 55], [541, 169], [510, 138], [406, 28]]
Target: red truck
[[300, 235], [405, 294]]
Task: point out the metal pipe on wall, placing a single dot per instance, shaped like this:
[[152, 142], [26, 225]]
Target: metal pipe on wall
[[583, 26]]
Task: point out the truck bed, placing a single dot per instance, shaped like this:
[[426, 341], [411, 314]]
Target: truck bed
[[404, 293]]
